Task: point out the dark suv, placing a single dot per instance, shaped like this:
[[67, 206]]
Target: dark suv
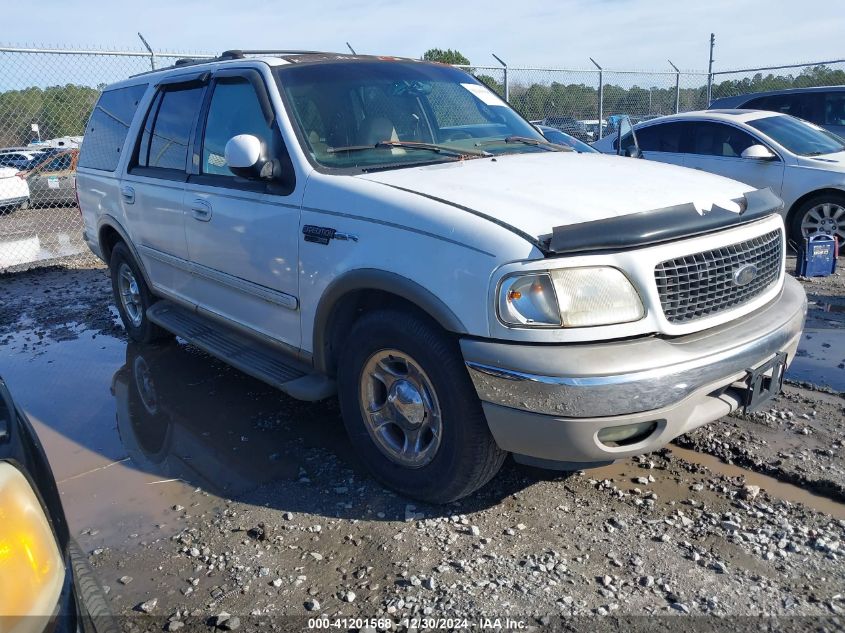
[[824, 106]]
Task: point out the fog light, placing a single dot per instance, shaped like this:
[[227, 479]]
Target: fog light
[[626, 434], [31, 567]]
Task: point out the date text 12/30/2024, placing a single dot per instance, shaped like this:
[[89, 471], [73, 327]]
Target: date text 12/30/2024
[[449, 624]]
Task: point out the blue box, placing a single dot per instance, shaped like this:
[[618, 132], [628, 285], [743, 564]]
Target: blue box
[[817, 256]]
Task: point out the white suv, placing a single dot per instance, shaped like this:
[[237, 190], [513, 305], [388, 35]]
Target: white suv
[[391, 231]]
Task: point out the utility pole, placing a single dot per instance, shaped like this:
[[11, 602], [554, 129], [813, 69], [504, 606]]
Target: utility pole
[[710, 70], [349, 46]]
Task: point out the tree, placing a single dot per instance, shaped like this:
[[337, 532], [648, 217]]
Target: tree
[[447, 56]]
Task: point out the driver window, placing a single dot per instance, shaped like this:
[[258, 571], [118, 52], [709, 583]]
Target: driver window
[[715, 139], [234, 109]]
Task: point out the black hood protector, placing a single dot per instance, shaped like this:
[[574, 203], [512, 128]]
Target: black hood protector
[[659, 225]]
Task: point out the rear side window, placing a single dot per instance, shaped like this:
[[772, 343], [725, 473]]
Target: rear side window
[[666, 137], [167, 130], [108, 126], [801, 105], [834, 108]]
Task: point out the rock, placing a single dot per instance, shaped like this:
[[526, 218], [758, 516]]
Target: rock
[[642, 481], [174, 625], [316, 555], [647, 581], [312, 604], [148, 606], [194, 552], [680, 606], [124, 580], [750, 492], [288, 516], [220, 618], [606, 581], [521, 526], [349, 596], [231, 624], [720, 567], [429, 584], [276, 583], [178, 508], [259, 533], [474, 531]]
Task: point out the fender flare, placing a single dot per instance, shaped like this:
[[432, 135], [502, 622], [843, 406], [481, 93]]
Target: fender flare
[[109, 221], [375, 279]]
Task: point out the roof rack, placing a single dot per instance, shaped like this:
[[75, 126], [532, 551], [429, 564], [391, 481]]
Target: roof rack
[[233, 54], [240, 54]]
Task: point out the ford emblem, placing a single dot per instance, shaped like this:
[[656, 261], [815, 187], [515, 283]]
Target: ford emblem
[[744, 275]]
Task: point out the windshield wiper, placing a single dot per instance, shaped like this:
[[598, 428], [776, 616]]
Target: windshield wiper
[[525, 140], [431, 147]]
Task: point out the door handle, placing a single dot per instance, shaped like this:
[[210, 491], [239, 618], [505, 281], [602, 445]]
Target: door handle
[[128, 194], [201, 210]]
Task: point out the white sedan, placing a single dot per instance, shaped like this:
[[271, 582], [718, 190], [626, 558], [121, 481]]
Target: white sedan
[[803, 163], [14, 190]]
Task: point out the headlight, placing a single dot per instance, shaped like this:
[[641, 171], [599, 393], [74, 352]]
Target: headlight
[[569, 297], [596, 296], [528, 300], [31, 567]]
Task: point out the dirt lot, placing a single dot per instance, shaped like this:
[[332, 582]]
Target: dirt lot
[[199, 491]]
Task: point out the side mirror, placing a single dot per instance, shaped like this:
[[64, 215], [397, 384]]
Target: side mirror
[[626, 139], [246, 156], [758, 152]]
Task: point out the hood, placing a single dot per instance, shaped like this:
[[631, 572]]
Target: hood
[[538, 191], [828, 162], [8, 172]]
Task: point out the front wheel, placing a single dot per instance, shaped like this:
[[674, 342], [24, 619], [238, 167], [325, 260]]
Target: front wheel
[[411, 410], [820, 215]]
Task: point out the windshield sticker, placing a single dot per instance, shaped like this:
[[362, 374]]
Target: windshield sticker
[[485, 95]]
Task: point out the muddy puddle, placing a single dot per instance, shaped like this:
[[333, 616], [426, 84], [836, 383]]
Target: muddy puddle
[[132, 431], [670, 487]]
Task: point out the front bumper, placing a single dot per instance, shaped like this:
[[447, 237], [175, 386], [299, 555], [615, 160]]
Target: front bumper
[[550, 401]]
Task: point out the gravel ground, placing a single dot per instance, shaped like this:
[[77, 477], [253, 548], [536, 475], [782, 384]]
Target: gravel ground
[[665, 534]]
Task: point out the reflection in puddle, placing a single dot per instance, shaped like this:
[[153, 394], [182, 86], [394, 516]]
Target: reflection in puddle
[[830, 307], [131, 431], [821, 358]]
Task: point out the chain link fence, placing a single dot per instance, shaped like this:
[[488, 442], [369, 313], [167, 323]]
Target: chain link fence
[[46, 97], [731, 83], [47, 94]]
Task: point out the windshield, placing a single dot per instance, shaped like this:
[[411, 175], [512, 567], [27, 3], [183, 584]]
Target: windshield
[[799, 137], [368, 115]]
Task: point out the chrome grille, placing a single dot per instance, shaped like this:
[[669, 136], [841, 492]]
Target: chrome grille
[[702, 284]]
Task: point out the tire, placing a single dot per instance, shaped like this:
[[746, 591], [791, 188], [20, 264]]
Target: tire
[[133, 311], [465, 457], [823, 206], [90, 592]]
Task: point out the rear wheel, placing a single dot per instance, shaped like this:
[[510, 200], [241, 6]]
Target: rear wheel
[[820, 215], [411, 410], [133, 297]]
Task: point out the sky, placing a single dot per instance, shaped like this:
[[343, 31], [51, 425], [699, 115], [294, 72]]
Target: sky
[[621, 34]]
